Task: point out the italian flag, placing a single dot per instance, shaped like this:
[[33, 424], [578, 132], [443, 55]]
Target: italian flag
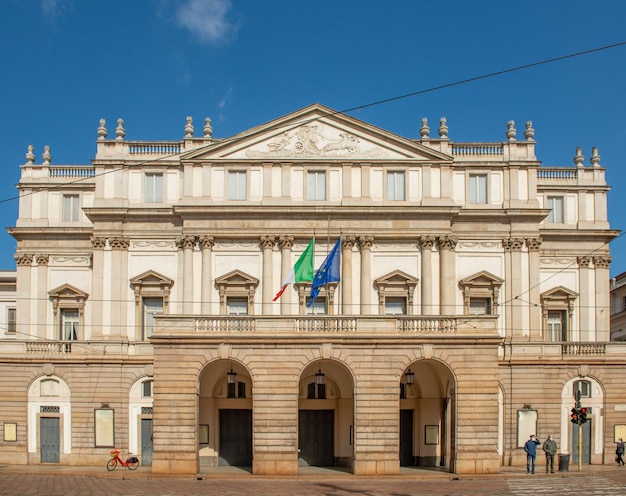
[[301, 271]]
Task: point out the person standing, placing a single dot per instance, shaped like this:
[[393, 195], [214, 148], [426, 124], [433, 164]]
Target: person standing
[[620, 452], [530, 447], [549, 447]]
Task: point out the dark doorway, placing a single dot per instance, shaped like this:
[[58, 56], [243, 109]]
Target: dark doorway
[[316, 435], [50, 439], [406, 438], [146, 441], [586, 428], [236, 438]]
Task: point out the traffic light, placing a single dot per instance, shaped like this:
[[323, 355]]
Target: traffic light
[[574, 416], [582, 416]]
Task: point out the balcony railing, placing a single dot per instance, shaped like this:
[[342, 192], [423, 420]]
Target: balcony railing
[[420, 325], [583, 349]]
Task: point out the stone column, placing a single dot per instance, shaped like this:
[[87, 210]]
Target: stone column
[[347, 243], [513, 246], [23, 328], [187, 243], [447, 270], [267, 245], [365, 244], [119, 286], [41, 296], [286, 244], [534, 310], [97, 286], [426, 244], [586, 307], [603, 320], [206, 245]]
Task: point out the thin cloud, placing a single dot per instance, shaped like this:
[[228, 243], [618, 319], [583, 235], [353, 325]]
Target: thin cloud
[[207, 20], [53, 10], [223, 102]]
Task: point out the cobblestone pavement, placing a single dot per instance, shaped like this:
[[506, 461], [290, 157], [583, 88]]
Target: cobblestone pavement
[[606, 482]]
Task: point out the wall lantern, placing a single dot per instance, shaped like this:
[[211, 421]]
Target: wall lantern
[[232, 376], [319, 376], [410, 375]]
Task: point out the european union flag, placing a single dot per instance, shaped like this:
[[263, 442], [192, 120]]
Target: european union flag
[[328, 272]]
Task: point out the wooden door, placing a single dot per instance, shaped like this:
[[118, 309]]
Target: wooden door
[[236, 437], [316, 437]]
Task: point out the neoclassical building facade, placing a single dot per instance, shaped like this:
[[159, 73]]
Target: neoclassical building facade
[[472, 303]]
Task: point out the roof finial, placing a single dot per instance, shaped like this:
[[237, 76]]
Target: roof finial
[[510, 130], [443, 128], [120, 132], [579, 159], [102, 130], [208, 129], [30, 155], [425, 129], [595, 157], [529, 134], [47, 158], [189, 127]]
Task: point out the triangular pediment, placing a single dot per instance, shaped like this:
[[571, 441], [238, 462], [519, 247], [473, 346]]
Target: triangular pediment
[[559, 293], [482, 278], [151, 278], [396, 278], [236, 278], [316, 133], [67, 291]]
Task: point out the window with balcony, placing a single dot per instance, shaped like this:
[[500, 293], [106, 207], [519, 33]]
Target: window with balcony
[[68, 305], [480, 293], [477, 188], [323, 304], [154, 187], [555, 204], [395, 293], [152, 292], [316, 185], [237, 185], [318, 307], [395, 185], [557, 306], [70, 208], [237, 290]]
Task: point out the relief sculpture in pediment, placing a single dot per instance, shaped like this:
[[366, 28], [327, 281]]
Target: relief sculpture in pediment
[[309, 140]]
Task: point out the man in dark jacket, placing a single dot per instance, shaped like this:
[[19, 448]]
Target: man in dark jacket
[[531, 453], [550, 449]]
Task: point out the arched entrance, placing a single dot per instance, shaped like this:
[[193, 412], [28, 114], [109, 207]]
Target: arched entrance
[[225, 415], [325, 415], [588, 437], [427, 408]]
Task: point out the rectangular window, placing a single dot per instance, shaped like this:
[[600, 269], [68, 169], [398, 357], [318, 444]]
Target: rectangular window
[[151, 307], [395, 306], [478, 188], [154, 188], [316, 185], [318, 307], [11, 322], [146, 389], [241, 389], [480, 306], [70, 208], [69, 325], [557, 330], [395, 185], [237, 306], [237, 185], [555, 204]]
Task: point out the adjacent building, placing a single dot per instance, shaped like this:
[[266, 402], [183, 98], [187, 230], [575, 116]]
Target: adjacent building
[[472, 303]]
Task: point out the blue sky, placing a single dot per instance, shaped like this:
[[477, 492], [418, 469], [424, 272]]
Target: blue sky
[[68, 63]]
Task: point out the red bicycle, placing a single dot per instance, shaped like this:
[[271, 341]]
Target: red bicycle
[[131, 463]]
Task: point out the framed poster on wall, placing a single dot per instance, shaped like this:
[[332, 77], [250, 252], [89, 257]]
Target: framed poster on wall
[[104, 428], [526, 425]]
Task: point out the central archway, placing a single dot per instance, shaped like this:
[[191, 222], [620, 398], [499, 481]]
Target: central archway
[[325, 415], [427, 396]]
